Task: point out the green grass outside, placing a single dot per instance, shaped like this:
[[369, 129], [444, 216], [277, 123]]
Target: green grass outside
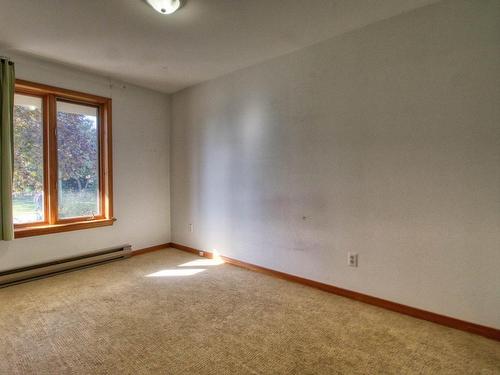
[[23, 204], [72, 204], [75, 204]]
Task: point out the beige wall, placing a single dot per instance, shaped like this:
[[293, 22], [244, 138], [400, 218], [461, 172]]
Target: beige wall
[[384, 141], [140, 167]]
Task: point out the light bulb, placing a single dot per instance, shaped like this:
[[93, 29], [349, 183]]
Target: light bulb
[[165, 6]]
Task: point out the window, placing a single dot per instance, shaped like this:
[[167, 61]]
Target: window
[[28, 195], [62, 160], [77, 160]]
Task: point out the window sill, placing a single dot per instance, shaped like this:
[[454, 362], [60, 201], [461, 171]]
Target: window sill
[[57, 228]]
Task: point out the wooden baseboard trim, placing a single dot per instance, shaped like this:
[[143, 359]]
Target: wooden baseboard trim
[[150, 249], [177, 246], [444, 320]]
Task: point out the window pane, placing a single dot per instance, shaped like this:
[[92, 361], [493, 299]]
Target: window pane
[[78, 160], [27, 194]]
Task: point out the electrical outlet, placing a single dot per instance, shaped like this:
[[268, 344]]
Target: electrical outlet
[[352, 259], [190, 228], [201, 253]]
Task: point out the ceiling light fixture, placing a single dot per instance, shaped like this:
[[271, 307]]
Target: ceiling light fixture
[[165, 6]]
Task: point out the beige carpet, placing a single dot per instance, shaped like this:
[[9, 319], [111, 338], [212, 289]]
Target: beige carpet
[[112, 319]]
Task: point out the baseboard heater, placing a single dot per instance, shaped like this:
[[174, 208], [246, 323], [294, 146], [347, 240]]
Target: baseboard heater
[[38, 271]]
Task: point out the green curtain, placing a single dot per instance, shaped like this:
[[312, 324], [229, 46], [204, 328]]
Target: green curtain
[[7, 83]]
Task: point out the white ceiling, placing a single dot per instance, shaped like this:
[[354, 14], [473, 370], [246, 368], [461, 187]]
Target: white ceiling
[[129, 41]]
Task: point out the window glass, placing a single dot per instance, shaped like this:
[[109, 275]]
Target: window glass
[[77, 160], [28, 192]]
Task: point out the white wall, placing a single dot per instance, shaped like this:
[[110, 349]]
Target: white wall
[[140, 167], [384, 141]]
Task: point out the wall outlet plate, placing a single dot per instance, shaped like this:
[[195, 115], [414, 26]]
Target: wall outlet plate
[[190, 228], [352, 259]]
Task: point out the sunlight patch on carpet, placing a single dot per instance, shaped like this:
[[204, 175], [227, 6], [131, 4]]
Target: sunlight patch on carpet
[[202, 263], [176, 272]]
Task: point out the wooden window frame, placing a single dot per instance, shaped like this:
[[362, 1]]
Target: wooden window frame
[[52, 223]]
